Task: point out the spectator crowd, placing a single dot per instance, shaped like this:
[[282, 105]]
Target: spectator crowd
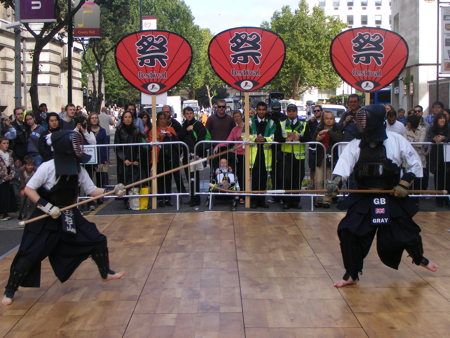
[[279, 155]]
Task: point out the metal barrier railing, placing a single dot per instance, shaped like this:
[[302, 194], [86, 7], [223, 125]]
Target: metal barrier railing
[[283, 173], [130, 162], [436, 167], [111, 168]]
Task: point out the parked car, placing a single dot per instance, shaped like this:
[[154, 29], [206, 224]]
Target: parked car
[[337, 110]]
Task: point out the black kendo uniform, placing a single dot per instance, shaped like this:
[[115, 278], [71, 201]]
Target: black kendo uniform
[[375, 160], [67, 240]]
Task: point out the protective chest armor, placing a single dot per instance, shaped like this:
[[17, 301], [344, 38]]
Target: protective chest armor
[[374, 170], [63, 193]]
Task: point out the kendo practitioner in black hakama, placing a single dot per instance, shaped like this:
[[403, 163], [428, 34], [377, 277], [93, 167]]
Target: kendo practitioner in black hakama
[[66, 238], [375, 158]]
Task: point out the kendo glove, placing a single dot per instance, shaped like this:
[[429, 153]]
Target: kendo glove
[[48, 208], [119, 190], [333, 187], [401, 189]]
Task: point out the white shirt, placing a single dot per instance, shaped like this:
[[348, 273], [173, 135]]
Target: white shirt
[[45, 177], [398, 150], [397, 127]]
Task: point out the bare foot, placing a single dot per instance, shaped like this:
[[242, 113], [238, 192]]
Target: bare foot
[[431, 266], [113, 276], [7, 301], [343, 282]]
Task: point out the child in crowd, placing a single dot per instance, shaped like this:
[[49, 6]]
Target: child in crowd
[[226, 179], [7, 170], [25, 173]]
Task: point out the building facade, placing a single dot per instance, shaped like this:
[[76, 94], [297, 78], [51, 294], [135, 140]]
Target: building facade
[[416, 21], [52, 77]]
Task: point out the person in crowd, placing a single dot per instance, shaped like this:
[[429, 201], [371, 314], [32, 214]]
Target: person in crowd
[[41, 115], [401, 116], [106, 121], [436, 108], [220, 123], [388, 216], [53, 122], [7, 171], [193, 132], [68, 122], [127, 156], [131, 107], [262, 130], [19, 146], [225, 178], [177, 150], [291, 132], [66, 237], [101, 170], [164, 157], [34, 132], [328, 132], [25, 173], [6, 128], [219, 126], [347, 121], [237, 134], [439, 135], [415, 132], [311, 126], [145, 153], [392, 124]]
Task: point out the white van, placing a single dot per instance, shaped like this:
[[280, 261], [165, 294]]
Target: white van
[[337, 109]]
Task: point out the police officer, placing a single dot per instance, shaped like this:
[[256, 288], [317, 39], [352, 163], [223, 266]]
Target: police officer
[[291, 132], [375, 158]]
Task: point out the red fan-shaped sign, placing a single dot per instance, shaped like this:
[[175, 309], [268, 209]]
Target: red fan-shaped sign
[[153, 61], [246, 58], [368, 58]]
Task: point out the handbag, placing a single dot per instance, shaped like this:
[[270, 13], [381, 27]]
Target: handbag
[[133, 202]]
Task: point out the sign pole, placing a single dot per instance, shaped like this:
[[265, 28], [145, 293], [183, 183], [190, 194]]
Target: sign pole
[[154, 158], [247, 147], [367, 98]]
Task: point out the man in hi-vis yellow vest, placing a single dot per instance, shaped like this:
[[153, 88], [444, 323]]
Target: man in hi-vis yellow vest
[[292, 132], [262, 130]]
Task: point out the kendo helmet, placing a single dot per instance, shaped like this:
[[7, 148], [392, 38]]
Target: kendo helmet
[[370, 122], [68, 151]]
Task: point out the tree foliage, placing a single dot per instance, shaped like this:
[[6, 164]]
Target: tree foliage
[[307, 36]]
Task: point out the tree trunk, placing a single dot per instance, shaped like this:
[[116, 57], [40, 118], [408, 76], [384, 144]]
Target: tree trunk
[[34, 92], [208, 92], [99, 98]]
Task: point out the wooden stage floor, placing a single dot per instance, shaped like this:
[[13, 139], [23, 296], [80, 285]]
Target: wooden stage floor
[[224, 274]]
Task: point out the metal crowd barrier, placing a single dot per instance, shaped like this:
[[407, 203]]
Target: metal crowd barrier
[[108, 169], [436, 169], [276, 178], [115, 170]]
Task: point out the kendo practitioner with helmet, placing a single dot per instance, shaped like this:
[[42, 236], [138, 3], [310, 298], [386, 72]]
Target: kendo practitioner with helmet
[[66, 237], [376, 158]]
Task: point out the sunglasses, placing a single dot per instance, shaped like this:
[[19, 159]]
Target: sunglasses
[[316, 110], [221, 106], [417, 111]]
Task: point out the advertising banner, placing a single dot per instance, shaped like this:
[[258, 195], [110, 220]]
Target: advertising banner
[[445, 40], [37, 11], [153, 61], [368, 58], [87, 20], [246, 58]]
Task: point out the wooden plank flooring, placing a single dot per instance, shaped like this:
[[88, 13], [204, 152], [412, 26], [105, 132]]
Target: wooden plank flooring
[[223, 274]]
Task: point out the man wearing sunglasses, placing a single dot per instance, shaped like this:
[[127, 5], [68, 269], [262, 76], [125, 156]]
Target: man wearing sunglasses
[[220, 123]]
